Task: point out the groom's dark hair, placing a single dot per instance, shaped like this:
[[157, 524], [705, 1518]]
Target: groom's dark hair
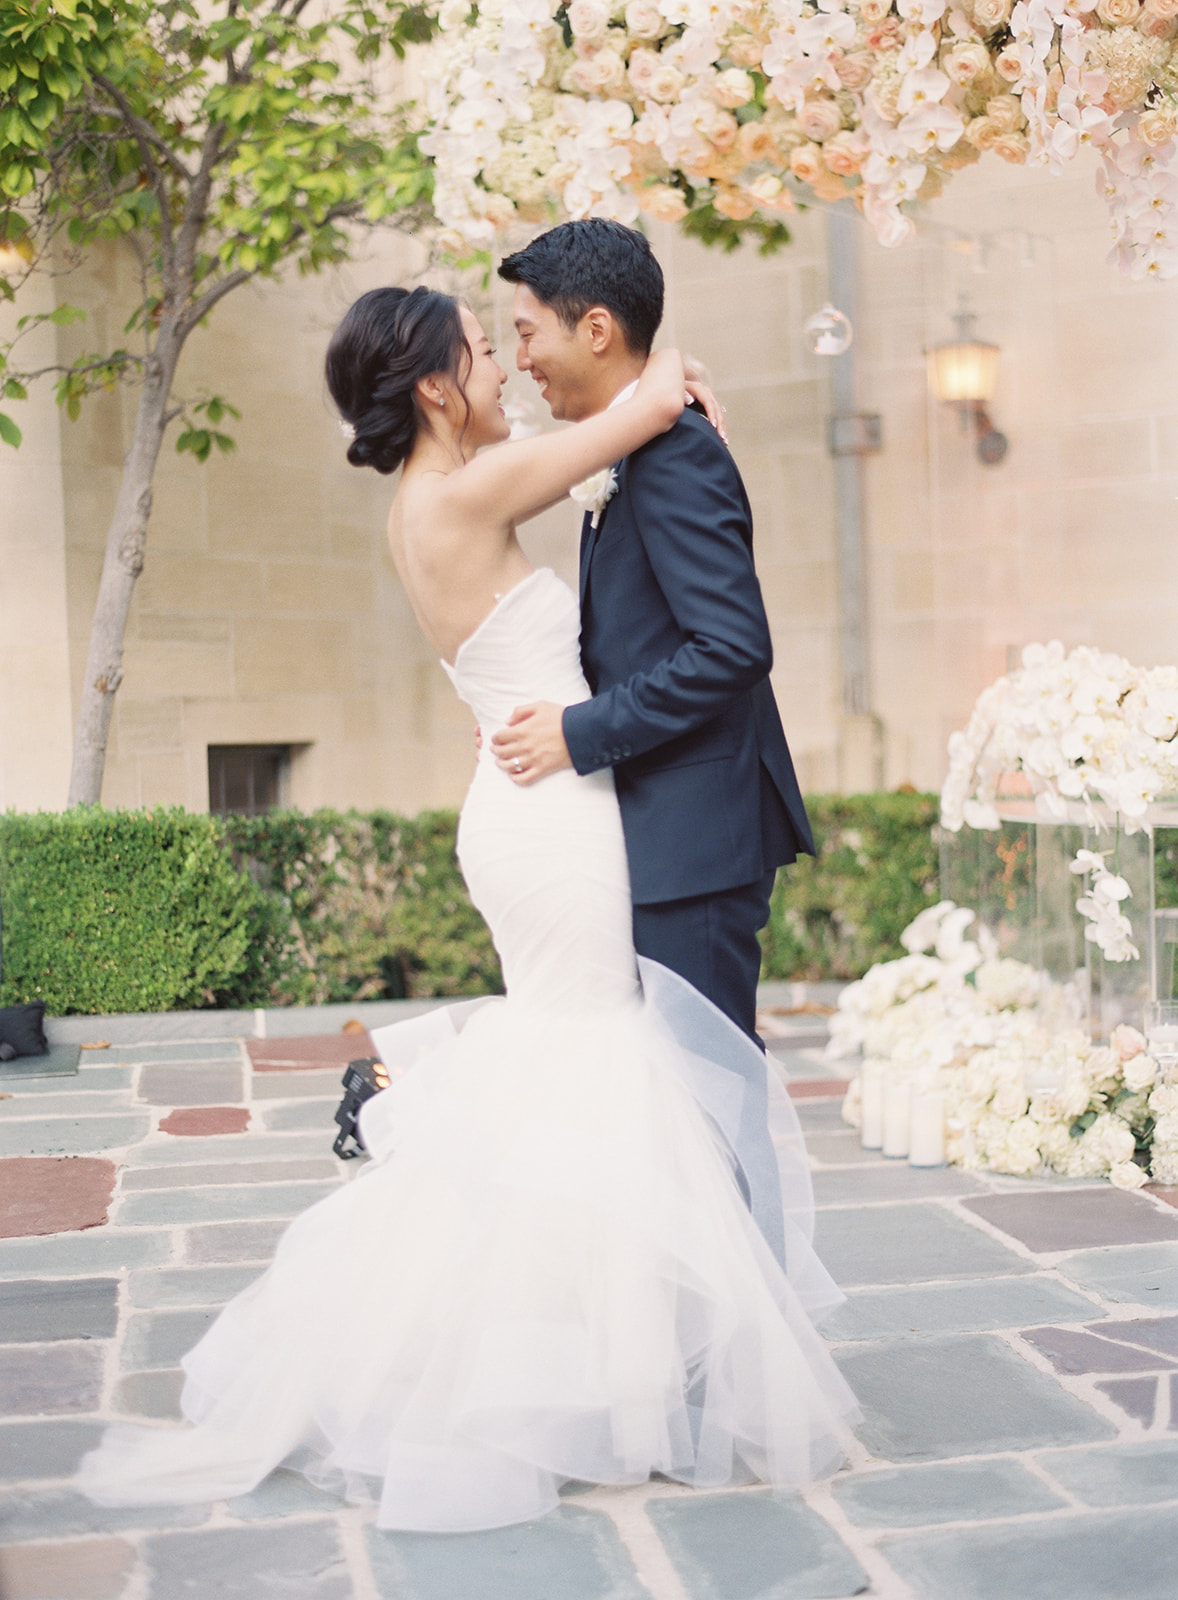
[[594, 262]]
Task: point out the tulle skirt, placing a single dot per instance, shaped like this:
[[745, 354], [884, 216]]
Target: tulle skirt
[[546, 1273]]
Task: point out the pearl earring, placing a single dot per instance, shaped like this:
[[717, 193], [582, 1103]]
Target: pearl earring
[[442, 400]]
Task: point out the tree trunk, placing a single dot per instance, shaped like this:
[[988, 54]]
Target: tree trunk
[[126, 543]]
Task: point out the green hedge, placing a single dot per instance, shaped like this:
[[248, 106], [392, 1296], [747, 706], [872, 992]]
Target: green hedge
[[833, 915], [120, 910], [374, 903], [135, 911]]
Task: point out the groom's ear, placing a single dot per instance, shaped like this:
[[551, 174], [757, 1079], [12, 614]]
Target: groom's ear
[[602, 330]]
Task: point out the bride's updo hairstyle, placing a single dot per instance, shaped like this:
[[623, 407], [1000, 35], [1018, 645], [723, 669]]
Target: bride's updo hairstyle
[[388, 341]]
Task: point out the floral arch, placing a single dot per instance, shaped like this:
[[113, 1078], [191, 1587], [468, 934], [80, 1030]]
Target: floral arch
[[725, 115]]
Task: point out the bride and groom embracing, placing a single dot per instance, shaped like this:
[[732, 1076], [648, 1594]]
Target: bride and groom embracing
[[575, 1254]]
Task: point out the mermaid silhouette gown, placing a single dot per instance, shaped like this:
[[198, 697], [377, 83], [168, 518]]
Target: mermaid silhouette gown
[[547, 1272]]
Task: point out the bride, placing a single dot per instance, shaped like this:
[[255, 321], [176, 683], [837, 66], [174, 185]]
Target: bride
[[548, 1270]]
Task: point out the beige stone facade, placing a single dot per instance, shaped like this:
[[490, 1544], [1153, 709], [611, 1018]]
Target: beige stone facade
[[268, 612]]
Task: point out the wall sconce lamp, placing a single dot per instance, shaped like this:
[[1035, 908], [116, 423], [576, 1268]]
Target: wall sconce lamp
[[963, 373]]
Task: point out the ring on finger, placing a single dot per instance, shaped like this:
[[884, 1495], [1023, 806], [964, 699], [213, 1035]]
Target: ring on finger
[[517, 764]]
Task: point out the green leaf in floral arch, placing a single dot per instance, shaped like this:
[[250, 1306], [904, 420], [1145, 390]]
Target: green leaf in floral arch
[[1082, 1124], [9, 432]]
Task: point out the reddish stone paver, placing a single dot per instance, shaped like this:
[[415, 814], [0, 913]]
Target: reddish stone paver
[[88, 1569], [314, 1051], [1166, 1192], [190, 1121], [53, 1194], [818, 1088]]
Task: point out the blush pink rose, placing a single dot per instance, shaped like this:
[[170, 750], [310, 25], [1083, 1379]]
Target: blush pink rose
[[723, 129], [990, 14], [663, 203], [1118, 12], [820, 119], [1005, 111], [745, 51], [1155, 128], [665, 83], [732, 88], [642, 68], [805, 162], [844, 154], [644, 20], [756, 142], [1007, 64], [1012, 147], [855, 69], [733, 204], [588, 19]]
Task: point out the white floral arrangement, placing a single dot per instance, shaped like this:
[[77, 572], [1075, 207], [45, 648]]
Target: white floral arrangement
[[1092, 736], [727, 112], [1025, 1090]]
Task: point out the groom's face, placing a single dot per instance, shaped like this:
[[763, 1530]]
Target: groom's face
[[559, 359]]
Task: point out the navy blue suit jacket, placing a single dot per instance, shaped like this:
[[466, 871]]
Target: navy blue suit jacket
[[675, 646]]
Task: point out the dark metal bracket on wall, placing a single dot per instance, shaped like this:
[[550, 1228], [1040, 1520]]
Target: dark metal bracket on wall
[[854, 433]]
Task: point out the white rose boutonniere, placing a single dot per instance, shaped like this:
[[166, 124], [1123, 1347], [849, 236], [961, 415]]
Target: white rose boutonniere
[[594, 492]]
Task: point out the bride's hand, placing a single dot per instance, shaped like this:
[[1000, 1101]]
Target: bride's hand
[[699, 389], [663, 378]]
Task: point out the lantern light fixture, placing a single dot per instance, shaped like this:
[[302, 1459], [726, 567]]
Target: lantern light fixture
[[964, 373]]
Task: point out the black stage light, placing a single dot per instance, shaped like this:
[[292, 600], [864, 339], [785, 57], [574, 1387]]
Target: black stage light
[[361, 1081]]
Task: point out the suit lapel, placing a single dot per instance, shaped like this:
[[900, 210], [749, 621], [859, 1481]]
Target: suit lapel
[[589, 533], [588, 540]]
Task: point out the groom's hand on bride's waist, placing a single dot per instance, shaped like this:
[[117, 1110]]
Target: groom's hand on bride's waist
[[532, 744]]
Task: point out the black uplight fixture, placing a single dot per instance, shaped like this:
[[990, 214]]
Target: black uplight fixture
[[963, 373]]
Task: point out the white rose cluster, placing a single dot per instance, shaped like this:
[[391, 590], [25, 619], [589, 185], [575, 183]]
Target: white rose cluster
[[1024, 1092], [733, 109]]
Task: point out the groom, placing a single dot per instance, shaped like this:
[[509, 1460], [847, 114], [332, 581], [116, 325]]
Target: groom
[[674, 638]]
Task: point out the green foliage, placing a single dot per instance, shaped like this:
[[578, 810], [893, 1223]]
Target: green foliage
[[376, 905], [835, 915], [225, 140], [199, 441], [709, 226], [107, 911], [149, 911], [1165, 866]]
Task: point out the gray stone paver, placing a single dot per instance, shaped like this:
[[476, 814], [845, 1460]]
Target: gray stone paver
[[958, 1491], [77, 1308], [1120, 1556], [754, 1546], [930, 1399], [897, 1244], [188, 1286], [956, 1308], [249, 1563], [1145, 1275], [573, 1554], [59, 1135], [992, 1330], [50, 1379]]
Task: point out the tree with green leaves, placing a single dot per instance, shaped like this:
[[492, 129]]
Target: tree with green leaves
[[219, 141]]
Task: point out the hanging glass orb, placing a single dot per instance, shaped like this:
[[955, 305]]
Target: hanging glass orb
[[828, 332]]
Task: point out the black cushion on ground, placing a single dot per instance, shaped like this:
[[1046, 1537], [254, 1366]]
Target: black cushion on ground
[[23, 1027]]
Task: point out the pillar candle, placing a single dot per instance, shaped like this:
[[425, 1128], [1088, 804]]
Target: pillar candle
[[927, 1148], [871, 1107], [896, 1115]]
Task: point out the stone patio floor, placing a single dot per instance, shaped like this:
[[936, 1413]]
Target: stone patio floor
[[1014, 1344]]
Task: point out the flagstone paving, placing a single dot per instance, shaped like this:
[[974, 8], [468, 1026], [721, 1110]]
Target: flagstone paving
[[1014, 1344]]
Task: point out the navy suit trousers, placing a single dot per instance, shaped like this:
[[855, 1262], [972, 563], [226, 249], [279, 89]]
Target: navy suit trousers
[[711, 940]]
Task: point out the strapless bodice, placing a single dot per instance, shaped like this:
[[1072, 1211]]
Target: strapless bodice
[[527, 648]]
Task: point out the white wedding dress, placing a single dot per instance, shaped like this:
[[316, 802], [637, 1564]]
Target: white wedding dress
[[547, 1271]]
